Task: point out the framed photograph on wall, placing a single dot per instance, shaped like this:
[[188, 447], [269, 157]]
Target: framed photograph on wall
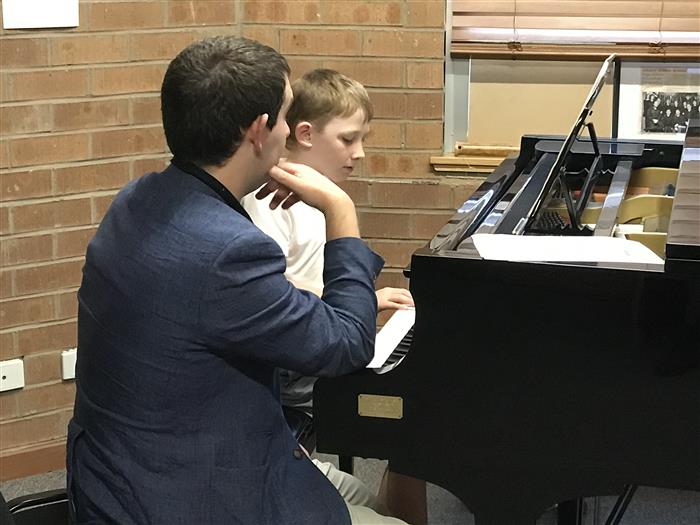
[[657, 100]]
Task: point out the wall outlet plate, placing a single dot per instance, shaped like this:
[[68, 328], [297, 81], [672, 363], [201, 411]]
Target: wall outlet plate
[[68, 358], [11, 374]]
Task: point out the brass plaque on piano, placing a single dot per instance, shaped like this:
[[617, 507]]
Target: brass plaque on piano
[[371, 405]]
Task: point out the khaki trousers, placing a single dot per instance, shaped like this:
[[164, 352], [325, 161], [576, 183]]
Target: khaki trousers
[[363, 505]]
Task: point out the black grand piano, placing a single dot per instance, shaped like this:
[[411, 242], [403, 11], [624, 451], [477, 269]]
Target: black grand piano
[[530, 382]]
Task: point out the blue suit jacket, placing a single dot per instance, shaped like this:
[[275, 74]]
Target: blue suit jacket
[[184, 314]]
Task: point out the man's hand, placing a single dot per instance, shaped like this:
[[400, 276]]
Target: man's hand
[[292, 183], [394, 299]]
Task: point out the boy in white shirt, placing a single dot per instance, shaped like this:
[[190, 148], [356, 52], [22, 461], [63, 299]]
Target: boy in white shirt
[[329, 121]]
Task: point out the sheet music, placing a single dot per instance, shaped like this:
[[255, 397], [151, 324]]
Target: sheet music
[[541, 248], [391, 334]]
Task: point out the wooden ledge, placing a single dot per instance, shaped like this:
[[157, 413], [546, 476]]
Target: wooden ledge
[[468, 158]]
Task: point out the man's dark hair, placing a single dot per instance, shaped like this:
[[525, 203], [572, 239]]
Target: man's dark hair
[[212, 92]]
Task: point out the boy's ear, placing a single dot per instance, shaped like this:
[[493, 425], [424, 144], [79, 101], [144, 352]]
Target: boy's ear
[[257, 132], [302, 132]]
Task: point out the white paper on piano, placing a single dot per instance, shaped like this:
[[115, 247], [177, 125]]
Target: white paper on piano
[[523, 248], [391, 334]]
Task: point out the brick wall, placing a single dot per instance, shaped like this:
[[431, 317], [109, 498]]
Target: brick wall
[[80, 116]]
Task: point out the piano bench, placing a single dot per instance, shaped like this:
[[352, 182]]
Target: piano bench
[[346, 464]]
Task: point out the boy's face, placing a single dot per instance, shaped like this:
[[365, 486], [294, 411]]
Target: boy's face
[[338, 147]]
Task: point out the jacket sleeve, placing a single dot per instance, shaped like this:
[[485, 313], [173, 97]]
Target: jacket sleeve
[[250, 310]]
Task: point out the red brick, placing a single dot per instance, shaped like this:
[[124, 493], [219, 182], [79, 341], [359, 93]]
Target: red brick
[[130, 141], [49, 149], [56, 336], [48, 277], [425, 13], [370, 72], [384, 134], [382, 224], [89, 49], [121, 15], [25, 119], [26, 310], [424, 135], [358, 190], [42, 427], [8, 346], [5, 226], [425, 75], [42, 368], [73, 243], [268, 35], [388, 104], [402, 43], [301, 65], [146, 110], [360, 13], [159, 46], [100, 205], [23, 52], [91, 177], [6, 279], [4, 154], [67, 305], [410, 195], [320, 42], [142, 166], [196, 13], [8, 406], [391, 277], [280, 11], [408, 164], [32, 400], [92, 114], [58, 83], [41, 216], [25, 184], [127, 79], [396, 254], [424, 105], [19, 250]]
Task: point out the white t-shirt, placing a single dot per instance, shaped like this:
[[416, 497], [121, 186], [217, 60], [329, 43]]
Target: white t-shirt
[[301, 233]]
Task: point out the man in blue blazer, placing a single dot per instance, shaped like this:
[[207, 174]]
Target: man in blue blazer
[[185, 313]]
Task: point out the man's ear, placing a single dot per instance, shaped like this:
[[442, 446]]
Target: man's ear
[[302, 132], [257, 132]]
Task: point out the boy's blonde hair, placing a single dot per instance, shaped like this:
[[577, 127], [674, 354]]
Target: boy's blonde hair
[[323, 94]]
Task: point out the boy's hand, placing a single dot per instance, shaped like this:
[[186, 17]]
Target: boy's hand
[[394, 299]]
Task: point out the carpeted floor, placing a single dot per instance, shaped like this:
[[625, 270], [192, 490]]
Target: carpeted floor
[[649, 506]]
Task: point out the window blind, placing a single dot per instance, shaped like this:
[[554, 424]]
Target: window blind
[[656, 29]]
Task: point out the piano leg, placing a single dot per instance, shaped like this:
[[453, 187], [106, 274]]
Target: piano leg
[[345, 463], [570, 512], [620, 506]]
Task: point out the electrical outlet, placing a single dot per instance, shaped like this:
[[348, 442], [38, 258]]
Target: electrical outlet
[[68, 358], [11, 374]]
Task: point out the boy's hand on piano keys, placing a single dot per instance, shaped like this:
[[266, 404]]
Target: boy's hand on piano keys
[[394, 299]]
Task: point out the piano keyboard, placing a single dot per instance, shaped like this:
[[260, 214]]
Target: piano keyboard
[[393, 341], [398, 354]]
